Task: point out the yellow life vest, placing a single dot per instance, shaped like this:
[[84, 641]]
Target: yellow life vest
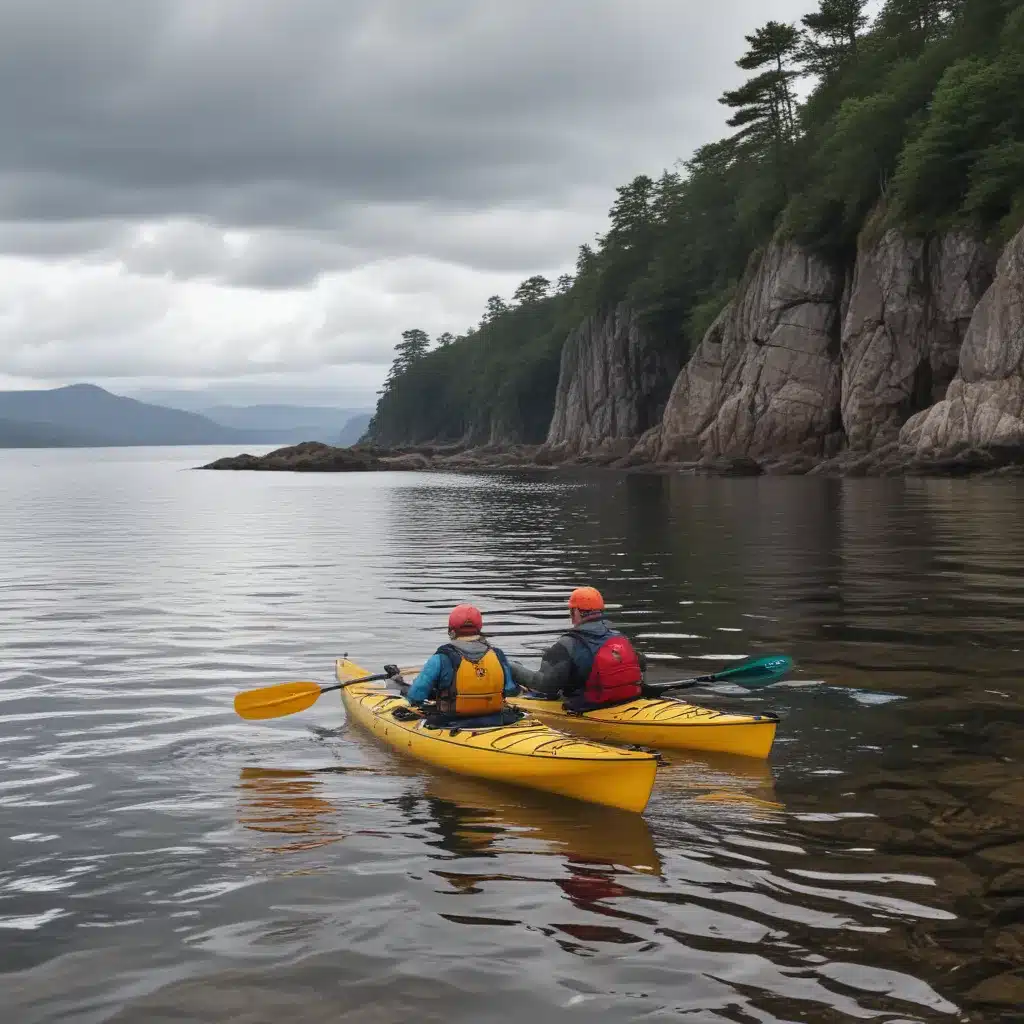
[[477, 688]]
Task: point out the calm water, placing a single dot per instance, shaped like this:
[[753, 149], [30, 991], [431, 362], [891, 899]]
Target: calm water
[[161, 860]]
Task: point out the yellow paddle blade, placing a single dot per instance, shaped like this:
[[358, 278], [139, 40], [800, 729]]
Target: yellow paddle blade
[[276, 701]]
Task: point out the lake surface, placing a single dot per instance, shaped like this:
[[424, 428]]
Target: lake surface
[[161, 860]]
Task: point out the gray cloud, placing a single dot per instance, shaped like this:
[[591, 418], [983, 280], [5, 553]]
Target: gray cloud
[[274, 146]]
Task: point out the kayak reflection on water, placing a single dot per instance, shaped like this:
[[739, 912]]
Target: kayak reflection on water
[[484, 819], [288, 802]]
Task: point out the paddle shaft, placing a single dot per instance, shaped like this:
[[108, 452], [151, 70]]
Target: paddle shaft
[[350, 682]]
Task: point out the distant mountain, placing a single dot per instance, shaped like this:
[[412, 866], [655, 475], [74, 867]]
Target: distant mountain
[[86, 415], [353, 430], [284, 422], [25, 434]]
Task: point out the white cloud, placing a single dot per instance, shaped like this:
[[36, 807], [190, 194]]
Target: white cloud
[[238, 190]]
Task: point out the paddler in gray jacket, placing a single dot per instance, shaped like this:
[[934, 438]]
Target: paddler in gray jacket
[[591, 665]]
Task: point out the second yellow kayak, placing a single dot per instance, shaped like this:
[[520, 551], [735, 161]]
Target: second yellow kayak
[[528, 753], [662, 723]]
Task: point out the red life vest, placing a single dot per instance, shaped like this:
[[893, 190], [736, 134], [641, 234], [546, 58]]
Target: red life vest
[[615, 673]]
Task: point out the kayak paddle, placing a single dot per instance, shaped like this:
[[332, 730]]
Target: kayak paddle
[[288, 698], [752, 674]]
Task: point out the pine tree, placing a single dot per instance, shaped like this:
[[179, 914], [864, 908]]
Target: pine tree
[[532, 290], [832, 35], [413, 346], [496, 307], [631, 214]]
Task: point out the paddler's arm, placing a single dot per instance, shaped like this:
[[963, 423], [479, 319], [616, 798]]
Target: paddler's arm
[[553, 675], [422, 687], [511, 688]]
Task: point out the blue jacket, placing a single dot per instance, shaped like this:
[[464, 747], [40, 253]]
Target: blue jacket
[[437, 672]]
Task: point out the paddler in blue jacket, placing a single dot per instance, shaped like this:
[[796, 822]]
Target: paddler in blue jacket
[[467, 679], [591, 665]]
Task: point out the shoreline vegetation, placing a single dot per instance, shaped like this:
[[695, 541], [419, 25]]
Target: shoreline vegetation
[[836, 288]]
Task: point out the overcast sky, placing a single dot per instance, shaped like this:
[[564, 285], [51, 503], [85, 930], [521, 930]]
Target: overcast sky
[[258, 196]]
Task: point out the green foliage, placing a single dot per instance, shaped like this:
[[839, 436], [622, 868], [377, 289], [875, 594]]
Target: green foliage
[[532, 290], [967, 160], [765, 105], [505, 372], [832, 34], [918, 114]]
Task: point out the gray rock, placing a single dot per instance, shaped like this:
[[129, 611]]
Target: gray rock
[[984, 405], [612, 384], [765, 379], [310, 456], [909, 310]]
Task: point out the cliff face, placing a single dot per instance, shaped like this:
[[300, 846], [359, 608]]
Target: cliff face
[[985, 402], [765, 379], [911, 303], [612, 384], [814, 359]]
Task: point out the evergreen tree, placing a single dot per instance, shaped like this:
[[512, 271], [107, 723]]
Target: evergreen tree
[[414, 345], [586, 260], [918, 20], [445, 339], [496, 307], [631, 214], [765, 105], [532, 290], [832, 34]]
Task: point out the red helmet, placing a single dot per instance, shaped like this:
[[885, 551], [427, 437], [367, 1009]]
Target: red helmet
[[465, 620], [586, 599]]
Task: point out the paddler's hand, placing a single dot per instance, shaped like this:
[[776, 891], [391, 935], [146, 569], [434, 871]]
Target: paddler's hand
[[396, 677], [521, 675]]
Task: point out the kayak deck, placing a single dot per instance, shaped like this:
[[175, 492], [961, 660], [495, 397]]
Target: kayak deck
[[662, 723], [528, 753]]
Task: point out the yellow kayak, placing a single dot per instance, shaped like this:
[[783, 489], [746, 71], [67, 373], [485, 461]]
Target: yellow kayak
[[528, 753], [662, 723]]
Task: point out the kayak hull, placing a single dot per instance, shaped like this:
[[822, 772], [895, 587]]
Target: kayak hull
[[529, 753], [663, 724]]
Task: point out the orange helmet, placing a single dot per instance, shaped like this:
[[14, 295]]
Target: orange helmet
[[465, 619], [586, 599]]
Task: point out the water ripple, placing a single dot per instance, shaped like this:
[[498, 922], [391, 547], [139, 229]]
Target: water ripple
[[162, 856]]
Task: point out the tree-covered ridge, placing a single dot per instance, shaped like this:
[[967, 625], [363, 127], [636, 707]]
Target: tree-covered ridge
[[920, 110]]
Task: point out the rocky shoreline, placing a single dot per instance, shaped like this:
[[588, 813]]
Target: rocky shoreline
[[909, 362], [888, 461]]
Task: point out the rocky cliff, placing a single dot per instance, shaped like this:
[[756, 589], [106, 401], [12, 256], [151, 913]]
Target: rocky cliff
[[813, 359], [911, 302], [765, 379], [613, 382], [984, 405]]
